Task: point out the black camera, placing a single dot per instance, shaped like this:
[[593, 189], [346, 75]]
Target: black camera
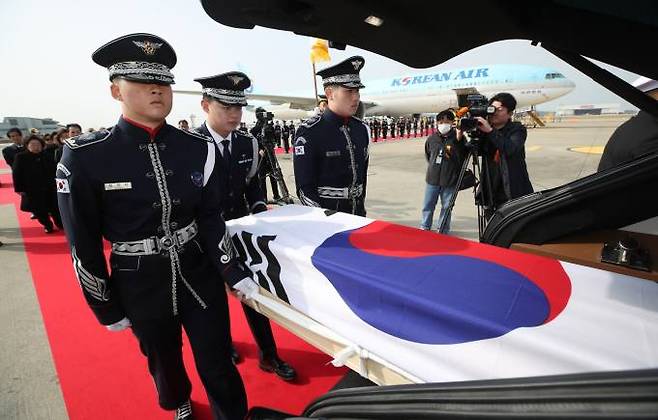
[[263, 115], [478, 106]]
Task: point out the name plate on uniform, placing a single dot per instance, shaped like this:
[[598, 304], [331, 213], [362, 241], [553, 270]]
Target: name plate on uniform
[[112, 186]]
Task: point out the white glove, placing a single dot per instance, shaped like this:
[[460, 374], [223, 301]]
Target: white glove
[[246, 288], [119, 326]]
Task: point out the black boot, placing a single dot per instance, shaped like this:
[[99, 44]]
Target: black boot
[[282, 369], [235, 356]]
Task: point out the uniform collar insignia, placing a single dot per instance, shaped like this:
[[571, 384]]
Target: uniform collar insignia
[[148, 47]]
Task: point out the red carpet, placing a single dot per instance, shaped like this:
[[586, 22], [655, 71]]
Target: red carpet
[[103, 375]]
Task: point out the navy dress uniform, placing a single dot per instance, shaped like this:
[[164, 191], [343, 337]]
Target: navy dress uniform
[[285, 132], [292, 130], [242, 195], [154, 194], [331, 151]]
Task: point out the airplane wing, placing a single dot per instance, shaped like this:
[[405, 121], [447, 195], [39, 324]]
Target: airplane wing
[[307, 103], [296, 102]]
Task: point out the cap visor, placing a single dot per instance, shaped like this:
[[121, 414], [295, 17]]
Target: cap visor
[[353, 85]]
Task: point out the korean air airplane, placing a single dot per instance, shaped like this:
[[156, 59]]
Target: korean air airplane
[[435, 90]]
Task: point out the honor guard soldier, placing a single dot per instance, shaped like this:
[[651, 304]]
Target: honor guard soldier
[[277, 134], [292, 130], [331, 149], [152, 191], [223, 99], [285, 132]]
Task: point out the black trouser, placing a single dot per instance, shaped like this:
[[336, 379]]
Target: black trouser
[[261, 330], [264, 170], [208, 332], [286, 144]]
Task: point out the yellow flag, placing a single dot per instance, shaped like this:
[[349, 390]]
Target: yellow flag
[[320, 51]]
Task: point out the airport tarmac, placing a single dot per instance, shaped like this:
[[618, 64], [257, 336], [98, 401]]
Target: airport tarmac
[[28, 382]]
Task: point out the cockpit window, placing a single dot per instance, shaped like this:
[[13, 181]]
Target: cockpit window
[[554, 76]]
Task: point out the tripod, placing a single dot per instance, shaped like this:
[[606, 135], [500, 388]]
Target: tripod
[[277, 175], [485, 204]]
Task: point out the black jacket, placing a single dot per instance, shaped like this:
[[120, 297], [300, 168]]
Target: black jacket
[[129, 185], [506, 157], [444, 155], [10, 152], [331, 162], [632, 139], [241, 192], [50, 151], [57, 155], [34, 176]]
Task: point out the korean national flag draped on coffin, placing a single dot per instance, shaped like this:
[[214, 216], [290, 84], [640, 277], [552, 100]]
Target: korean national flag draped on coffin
[[446, 309]]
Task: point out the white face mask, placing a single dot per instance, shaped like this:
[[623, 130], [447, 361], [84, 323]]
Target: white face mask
[[444, 128]]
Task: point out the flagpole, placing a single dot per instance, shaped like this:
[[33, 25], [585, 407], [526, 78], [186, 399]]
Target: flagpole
[[315, 82]]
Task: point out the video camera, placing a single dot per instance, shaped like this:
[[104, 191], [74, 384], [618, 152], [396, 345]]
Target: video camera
[[263, 115], [478, 106]]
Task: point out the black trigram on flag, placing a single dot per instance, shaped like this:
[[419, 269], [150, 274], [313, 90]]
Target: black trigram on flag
[[252, 249]]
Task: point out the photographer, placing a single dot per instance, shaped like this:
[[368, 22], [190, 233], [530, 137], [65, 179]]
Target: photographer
[[444, 152], [264, 133], [505, 153]]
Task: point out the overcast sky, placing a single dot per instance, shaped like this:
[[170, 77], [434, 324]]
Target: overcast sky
[[47, 71]]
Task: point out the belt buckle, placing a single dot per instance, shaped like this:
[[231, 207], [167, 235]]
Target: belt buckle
[[167, 242]]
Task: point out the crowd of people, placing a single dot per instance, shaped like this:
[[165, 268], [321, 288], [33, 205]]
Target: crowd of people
[[382, 128], [33, 159]]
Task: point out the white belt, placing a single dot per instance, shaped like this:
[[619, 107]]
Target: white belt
[[341, 193], [155, 245]]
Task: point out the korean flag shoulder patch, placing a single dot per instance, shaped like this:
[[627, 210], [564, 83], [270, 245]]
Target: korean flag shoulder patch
[[62, 185]]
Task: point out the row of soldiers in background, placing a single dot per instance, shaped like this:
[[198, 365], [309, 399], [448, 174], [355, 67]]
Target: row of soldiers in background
[[383, 127], [33, 161]]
